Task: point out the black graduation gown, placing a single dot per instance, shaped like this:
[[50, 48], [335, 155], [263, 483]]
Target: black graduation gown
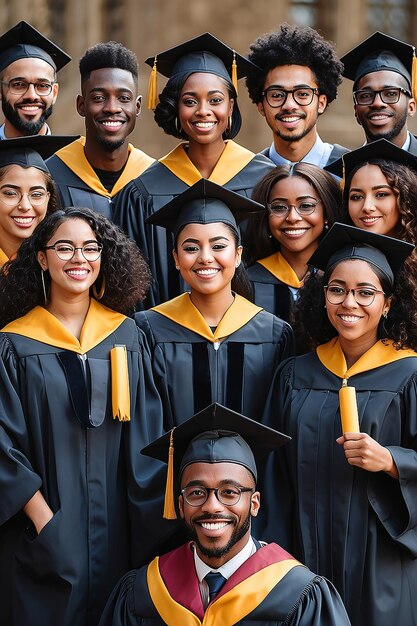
[[63, 576], [357, 528], [237, 169], [271, 293], [79, 185]]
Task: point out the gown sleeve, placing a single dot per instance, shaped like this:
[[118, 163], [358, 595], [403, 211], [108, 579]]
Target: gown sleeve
[[119, 610], [18, 479], [286, 344], [319, 605]]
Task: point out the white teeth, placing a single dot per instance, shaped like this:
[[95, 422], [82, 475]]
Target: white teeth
[[204, 124], [349, 318], [208, 272], [77, 272], [23, 220], [370, 220], [295, 231], [378, 117], [30, 108], [113, 124], [213, 525], [289, 119]]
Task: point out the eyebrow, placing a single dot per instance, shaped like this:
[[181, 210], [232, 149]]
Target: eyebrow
[[19, 188], [104, 89], [343, 282], [386, 186], [210, 93], [39, 80], [294, 87], [202, 483], [72, 243], [190, 240], [298, 198]]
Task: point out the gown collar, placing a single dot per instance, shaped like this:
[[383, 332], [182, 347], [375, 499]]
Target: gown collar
[[281, 269]]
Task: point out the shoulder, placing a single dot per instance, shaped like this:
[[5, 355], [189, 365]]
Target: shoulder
[[336, 153]]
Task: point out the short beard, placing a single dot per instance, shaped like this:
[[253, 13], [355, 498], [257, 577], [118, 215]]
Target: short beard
[[110, 146], [237, 535], [390, 135], [26, 128]]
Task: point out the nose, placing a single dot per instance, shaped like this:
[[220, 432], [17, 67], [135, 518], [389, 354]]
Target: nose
[[77, 257], [349, 301], [24, 204], [369, 203], [212, 504], [289, 103], [203, 108], [30, 92], [378, 101], [206, 256], [112, 104], [292, 215]]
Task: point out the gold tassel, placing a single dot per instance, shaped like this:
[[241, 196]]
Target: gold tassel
[[234, 72], [414, 76], [169, 507], [153, 88], [120, 392], [343, 181]]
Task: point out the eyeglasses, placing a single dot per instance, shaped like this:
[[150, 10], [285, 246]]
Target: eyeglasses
[[362, 295], [305, 207], [65, 251], [20, 87], [276, 97], [389, 95], [229, 495], [13, 197]]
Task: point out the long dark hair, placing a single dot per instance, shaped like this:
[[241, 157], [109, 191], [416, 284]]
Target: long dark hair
[[123, 268]]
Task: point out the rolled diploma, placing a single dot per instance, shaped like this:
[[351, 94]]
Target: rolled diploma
[[348, 410]]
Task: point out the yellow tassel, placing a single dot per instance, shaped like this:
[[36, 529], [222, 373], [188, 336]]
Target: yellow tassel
[[153, 88], [234, 72], [120, 392], [343, 181], [414, 76], [169, 507]]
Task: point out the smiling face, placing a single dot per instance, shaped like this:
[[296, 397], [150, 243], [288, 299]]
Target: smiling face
[[207, 256], [27, 113], [292, 122], [204, 107], [357, 325], [372, 202], [19, 219], [71, 279], [110, 105], [219, 531], [380, 120]]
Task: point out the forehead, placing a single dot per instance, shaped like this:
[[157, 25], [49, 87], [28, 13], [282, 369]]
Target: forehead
[[74, 229], [381, 79], [212, 474], [354, 272], [22, 176], [205, 82], [205, 231], [110, 79], [290, 76], [292, 186], [29, 69], [369, 175]]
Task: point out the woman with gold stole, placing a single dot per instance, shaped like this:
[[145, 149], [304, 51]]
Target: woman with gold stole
[[76, 385], [211, 344], [199, 106], [27, 191], [349, 498]]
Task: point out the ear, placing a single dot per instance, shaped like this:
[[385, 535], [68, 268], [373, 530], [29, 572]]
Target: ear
[[239, 251], [55, 90], [181, 506], [232, 104], [411, 107], [175, 255], [322, 103], [138, 105], [80, 105], [42, 260], [388, 304], [261, 108], [255, 503]]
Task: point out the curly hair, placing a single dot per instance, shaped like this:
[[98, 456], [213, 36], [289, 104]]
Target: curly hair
[[295, 45], [108, 54], [312, 326], [258, 238], [166, 111], [54, 201], [123, 268]]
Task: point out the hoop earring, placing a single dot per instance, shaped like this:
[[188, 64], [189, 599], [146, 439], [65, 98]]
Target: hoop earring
[[100, 294], [178, 126], [44, 286], [229, 125]]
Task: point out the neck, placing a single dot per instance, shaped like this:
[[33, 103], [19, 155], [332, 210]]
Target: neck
[[213, 306], [70, 311], [298, 260], [205, 156], [353, 350], [102, 159], [10, 131], [295, 150], [9, 245], [217, 561]]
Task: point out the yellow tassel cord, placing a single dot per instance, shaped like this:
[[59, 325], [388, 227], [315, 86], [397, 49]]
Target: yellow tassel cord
[[343, 181], [414, 76], [153, 88], [234, 72], [169, 507], [120, 392]]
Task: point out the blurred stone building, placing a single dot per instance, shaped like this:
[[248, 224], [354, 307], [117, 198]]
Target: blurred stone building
[[149, 26]]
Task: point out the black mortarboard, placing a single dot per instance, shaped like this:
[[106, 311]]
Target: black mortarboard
[[344, 242], [23, 41], [32, 151], [214, 435], [204, 53], [379, 149], [205, 202], [379, 52]]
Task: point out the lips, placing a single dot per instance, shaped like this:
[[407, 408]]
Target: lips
[[207, 272], [111, 124], [350, 319], [23, 222], [370, 221], [77, 274], [30, 108], [294, 232]]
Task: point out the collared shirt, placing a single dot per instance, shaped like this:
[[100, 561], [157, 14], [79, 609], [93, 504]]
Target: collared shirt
[[407, 142], [318, 155], [225, 570], [3, 136]]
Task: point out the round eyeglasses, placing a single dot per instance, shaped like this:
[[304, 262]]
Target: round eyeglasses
[[363, 296], [305, 207], [20, 87], [65, 251], [388, 95], [276, 97], [229, 495], [13, 197]]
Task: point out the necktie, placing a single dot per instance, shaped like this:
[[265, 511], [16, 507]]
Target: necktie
[[215, 582]]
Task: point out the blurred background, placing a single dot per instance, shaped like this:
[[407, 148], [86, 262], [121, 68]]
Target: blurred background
[[150, 26]]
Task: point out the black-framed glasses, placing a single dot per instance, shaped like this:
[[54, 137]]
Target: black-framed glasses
[[20, 87], [13, 197], [227, 494], [281, 209], [276, 97], [388, 95], [65, 251], [362, 295]]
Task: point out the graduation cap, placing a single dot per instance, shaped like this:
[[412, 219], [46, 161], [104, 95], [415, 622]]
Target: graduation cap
[[381, 52], [214, 435], [205, 202], [32, 151], [381, 149], [204, 53], [344, 242], [23, 41]]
